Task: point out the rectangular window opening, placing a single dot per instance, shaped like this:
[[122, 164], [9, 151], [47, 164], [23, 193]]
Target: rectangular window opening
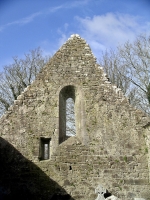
[[44, 148]]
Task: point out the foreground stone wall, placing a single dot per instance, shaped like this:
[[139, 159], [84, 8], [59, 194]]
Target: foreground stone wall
[[112, 139]]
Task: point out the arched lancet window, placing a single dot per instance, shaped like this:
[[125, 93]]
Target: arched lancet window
[[71, 95], [66, 113]]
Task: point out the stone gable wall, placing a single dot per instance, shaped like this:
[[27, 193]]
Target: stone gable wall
[[112, 140]]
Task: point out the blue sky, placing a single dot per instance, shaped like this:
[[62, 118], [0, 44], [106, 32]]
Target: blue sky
[[104, 24]]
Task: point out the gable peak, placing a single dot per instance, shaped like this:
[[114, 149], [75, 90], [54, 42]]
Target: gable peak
[[76, 41], [75, 35]]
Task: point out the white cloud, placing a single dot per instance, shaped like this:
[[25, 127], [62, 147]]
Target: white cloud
[[48, 11], [48, 48], [110, 30], [67, 5], [54, 9], [66, 26], [62, 39], [63, 32], [76, 3], [22, 21]]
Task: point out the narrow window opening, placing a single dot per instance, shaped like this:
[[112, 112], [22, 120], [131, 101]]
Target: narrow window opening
[[70, 118], [70, 168], [67, 106], [45, 148], [72, 122]]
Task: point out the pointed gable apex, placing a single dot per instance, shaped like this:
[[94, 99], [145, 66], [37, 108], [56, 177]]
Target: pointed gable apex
[[77, 46], [74, 53]]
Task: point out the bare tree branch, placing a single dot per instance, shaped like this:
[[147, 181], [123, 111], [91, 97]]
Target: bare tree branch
[[18, 75], [129, 69]]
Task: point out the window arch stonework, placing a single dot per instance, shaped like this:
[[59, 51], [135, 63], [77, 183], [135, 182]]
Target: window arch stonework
[[75, 93]]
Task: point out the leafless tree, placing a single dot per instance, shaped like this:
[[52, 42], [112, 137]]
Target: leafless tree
[[129, 69], [110, 61], [136, 58], [18, 75]]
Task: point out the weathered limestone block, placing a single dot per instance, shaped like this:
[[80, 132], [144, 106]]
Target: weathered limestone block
[[112, 197], [139, 199], [104, 194]]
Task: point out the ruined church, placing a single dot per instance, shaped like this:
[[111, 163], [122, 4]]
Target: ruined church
[[110, 148]]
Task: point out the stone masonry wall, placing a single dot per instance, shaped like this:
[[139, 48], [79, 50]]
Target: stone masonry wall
[[111, 145]]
